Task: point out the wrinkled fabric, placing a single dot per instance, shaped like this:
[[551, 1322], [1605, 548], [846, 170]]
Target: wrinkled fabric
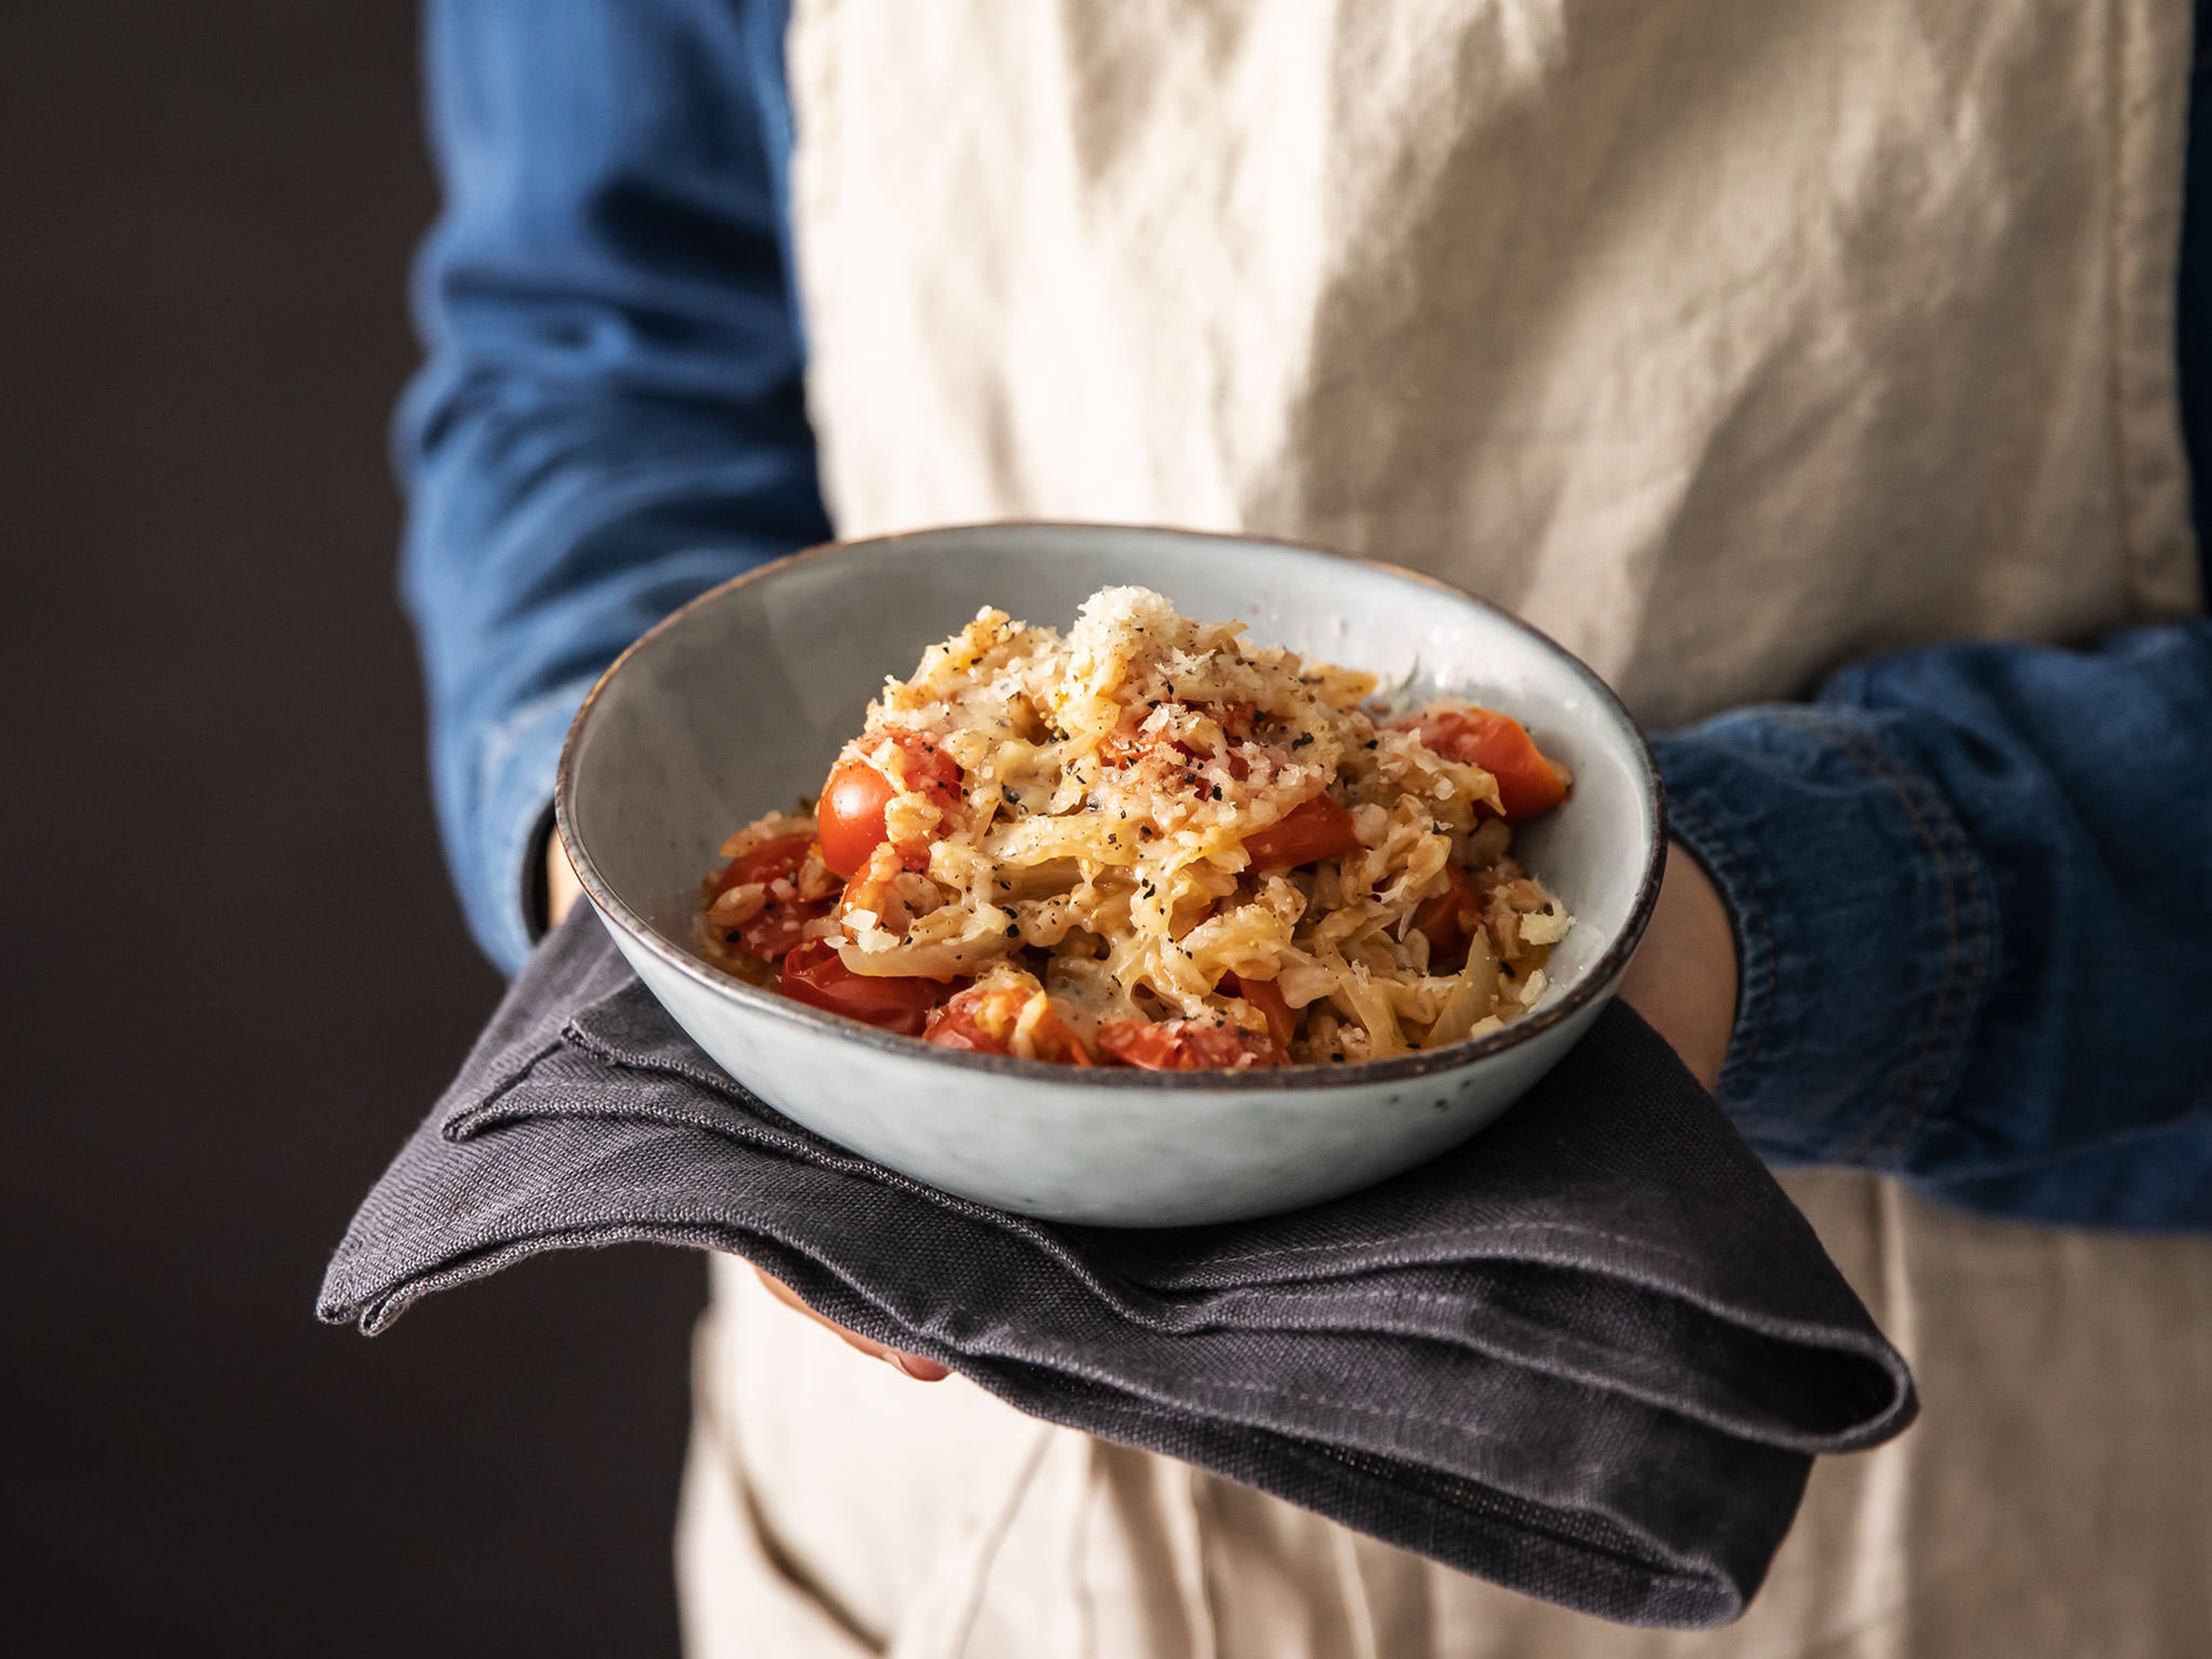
[[2050, 1500], [1590, 1354], [1693, 332], [2062, 1518]]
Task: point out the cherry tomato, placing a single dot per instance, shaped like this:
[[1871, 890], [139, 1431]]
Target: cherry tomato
[[1186, 1045], [780, 926], [1265, 995], [814, 974], [1450, 920], [979, 1022], [1316, 828], [777, 926], [1527, 783], [954, 1026], [769, 861], [851, 813]]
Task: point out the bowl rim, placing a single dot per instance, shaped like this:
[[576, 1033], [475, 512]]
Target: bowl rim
[[1418, 1064]]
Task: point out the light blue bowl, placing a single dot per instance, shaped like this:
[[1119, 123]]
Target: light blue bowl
[[737, 704]]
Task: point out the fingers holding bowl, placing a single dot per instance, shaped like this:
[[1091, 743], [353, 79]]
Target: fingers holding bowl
[[911, 1364]]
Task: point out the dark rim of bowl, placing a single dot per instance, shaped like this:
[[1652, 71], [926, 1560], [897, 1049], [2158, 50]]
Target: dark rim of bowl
[[1419, 1063]]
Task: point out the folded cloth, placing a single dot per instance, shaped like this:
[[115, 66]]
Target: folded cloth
[[1590, 1354]]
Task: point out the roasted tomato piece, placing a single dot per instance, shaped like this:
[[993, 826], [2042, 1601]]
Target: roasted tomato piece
[[778, 924], [1127, 746], [814, 974], [1313, 829], [1186, 1045], [1527, 783], [983, 1019], [769, 861], [776, 930], [1123, 748], [952, 1026], [1267, 998], [1449, 920], [853, 798]]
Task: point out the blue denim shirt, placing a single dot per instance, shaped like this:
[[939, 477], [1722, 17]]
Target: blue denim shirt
[[1972, 885]]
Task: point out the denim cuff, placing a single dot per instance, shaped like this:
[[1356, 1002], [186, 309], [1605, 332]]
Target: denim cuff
[[1866, 930], [503, 889]]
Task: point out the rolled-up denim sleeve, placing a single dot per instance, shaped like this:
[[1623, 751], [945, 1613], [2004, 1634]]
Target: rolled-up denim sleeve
[[1972, 890], [610, 418]]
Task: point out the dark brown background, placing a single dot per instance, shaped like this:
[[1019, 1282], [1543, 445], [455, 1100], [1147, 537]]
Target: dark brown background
[[234, 976]]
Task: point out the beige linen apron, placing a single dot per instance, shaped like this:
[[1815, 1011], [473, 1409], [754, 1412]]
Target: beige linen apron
[[1727, 340]]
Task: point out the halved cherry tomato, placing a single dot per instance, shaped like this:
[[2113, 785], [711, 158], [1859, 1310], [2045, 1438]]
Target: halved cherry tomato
[[776, 930], [1316, 828], [1186, 1045], [980, 1022], [1265, 995], [1527, 783], [815, 975], [777, 926], [769, 861], [953, 1026], [851, 813], [1450, 920]]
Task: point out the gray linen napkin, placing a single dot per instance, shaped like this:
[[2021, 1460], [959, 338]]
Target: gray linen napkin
[[1589, 1355]]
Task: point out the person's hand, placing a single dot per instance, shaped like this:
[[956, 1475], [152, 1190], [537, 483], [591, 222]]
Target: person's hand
[[1682, 978], [913, 1364], [563, 890]]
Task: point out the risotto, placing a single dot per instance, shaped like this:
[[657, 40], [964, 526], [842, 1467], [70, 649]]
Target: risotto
[[1148, 843]]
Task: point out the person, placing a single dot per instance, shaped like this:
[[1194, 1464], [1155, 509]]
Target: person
[[1817, 373]]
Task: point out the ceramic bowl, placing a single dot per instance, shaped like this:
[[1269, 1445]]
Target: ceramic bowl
[[737, 704]]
